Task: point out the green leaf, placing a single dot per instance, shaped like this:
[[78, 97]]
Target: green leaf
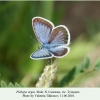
[[87, 63], [67, 78], [23, 85], [17, 85], [3, 84], [10, 85], [83, 66], [97, 64]]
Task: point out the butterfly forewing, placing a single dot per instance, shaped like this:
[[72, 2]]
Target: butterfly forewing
[[42, 29], [60, 35]]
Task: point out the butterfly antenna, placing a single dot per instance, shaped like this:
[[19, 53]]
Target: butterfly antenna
[[34, 40]]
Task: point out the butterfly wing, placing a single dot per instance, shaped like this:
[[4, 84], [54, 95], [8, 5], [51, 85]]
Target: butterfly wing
[[42, 29], [59, 51], [60, 35], [41, 54]]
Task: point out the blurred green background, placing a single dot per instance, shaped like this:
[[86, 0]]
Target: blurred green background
[[17, 41]]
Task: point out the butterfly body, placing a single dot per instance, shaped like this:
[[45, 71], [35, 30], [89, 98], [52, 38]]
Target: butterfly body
[[54, 40], [48, 46]]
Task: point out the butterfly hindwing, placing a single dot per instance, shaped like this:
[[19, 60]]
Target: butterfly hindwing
[[42, 29], [41, 54], [59, 51]]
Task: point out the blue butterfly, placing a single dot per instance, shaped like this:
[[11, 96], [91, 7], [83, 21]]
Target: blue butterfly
[[54, 40]]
